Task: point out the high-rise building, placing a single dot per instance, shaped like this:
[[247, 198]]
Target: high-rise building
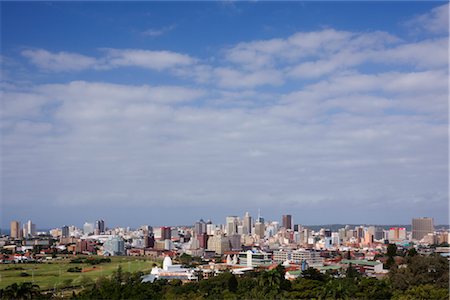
[[219, 244], [15, 230], [166, 233], [29, 229], [65, 232], [421, 227], [200, 227], [232, 224], [115, 245], [100, 226], [260, 229], [397, 234], [88, 228], [287, 221], [247, 224]]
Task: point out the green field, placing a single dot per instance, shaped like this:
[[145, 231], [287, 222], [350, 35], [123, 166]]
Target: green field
[[54, 275]]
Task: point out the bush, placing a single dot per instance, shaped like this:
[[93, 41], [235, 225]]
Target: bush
[[74, 270], [24, 274]]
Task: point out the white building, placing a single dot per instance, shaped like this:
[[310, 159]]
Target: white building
[[298, 256], [254, 258], [170, 272]]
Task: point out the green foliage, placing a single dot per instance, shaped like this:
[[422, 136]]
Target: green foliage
[[422, 278], [421, 270], [25, 290], [74, 270], [412, 252]]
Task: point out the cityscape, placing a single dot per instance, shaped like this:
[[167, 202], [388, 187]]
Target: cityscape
[[224, 150]]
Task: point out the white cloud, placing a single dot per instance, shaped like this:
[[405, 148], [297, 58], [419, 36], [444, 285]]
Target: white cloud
[[228, 77], [148, 59], [114, 58], [155, 32], [436, 21], [59, 62], [368, 128]]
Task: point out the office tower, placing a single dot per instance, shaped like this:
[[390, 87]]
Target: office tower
[[219, 244], [327, 233], [260, 219], [100, 226], [203, 240], [378, 233], [232, 224], [397, 234], [166, 233], [200, 227], [15, 230], [359, 232], [65, 231], [287, 221], [247, 224], [421, 227], [29, 229], [115, 245], [298, 227], [235, 242], [259, 229], [88, 228]]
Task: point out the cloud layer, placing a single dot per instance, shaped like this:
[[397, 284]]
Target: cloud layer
[[345, 124]]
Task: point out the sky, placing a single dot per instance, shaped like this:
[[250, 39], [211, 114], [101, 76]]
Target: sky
[[164, 113]]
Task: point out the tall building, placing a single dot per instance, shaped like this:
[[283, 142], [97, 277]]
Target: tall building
[[397, 234], [259, 229], [200, 227], [421, 227], [15, 230], [65, 233], [219, 244], [247, 224], [100, 226], [287, 221], [232, 224], [29, 229], [88, 228], [166, 233], [115, 245]]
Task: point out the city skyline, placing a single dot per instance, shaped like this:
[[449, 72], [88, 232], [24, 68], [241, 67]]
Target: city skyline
[[164, 113]]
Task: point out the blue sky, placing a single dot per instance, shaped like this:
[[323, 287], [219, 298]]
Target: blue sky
[[164, 113]]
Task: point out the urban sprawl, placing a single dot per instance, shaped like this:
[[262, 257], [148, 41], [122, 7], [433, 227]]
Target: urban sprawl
[[240, 245]]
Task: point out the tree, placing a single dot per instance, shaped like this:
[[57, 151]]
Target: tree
[[412, 252], [118, 275], [25, 290], [313, 274], [391, 252]]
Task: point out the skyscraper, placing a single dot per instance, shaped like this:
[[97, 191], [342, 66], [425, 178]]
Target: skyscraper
[[166, 233], [88, 228], [200, 227], [421, 227], [260, 229], [29, 229], [15, 229], [287, 221], [232, 224], [100, 226], [247, 223], [65, 232]]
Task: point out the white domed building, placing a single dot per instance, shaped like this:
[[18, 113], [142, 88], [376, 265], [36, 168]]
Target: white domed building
[[170, 271]]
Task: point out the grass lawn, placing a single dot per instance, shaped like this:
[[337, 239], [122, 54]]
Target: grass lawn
[[54, 274]]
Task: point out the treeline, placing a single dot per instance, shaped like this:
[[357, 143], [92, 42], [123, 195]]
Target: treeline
[[421, 278], [90, 260]]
